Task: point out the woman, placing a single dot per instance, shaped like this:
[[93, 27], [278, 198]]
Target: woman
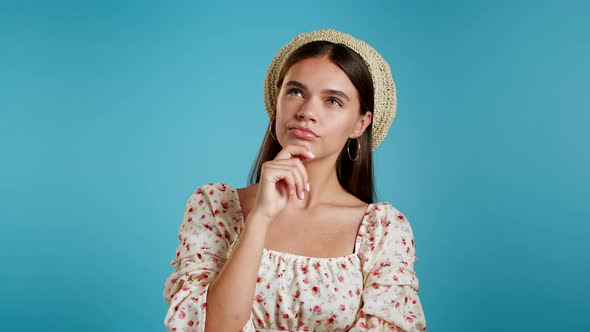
[[303, 247]]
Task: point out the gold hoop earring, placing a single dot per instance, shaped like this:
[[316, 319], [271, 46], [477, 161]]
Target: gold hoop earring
[[358, 149], [270, 130]]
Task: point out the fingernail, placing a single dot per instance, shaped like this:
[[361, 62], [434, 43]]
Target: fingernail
[[302, 195], [307, 186], [311, 154]]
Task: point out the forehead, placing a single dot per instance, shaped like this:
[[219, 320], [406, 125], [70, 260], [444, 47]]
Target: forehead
[[320, 73]]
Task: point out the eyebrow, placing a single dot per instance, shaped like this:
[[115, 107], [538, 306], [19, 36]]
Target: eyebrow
[[327, 91]]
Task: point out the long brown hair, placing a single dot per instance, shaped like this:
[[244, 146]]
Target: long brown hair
[[356, 177]]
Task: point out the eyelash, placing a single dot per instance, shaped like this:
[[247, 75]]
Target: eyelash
[[294, 90], [290, 91], [337, 101]]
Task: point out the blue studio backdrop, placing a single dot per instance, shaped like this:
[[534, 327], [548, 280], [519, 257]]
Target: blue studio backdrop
[[113, 112]]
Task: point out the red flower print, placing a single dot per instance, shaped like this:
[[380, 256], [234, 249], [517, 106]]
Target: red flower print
[[224, 205], [259, 298], [330, 320], [221, 224], [304, 269], [317, 309], [316, 265], [297, 294], [191, 323], [189, 219], [395, 277], [201, 202], [182, 315], [211, 192], [342, 307], [191, 210], [199, 191], [280, 298], [285, 316], [341, 278], [400, 217], [258, 279], [315, 289]]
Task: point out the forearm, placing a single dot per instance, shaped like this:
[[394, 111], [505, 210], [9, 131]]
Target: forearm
[[230, 295]]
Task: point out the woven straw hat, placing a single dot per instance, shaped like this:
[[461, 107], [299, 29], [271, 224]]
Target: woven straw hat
[[383, 85]]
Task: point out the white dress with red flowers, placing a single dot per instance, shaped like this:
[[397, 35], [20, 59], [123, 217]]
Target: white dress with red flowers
[[374, 289]]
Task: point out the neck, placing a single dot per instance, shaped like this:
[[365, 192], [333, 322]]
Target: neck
[[323, 180]]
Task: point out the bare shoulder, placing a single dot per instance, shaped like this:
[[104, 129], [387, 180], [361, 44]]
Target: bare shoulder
[[247, 196], [348, 200]]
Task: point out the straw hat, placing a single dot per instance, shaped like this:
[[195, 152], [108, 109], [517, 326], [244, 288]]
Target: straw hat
[[383, 85]]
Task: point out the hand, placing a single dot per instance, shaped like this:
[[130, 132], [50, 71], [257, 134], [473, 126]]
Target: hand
[[280, 178]]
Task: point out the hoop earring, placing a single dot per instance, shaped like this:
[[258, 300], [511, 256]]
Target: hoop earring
[[358, 149], [270, 130]]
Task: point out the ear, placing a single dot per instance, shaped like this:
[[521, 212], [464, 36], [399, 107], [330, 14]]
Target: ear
[[362, 123]]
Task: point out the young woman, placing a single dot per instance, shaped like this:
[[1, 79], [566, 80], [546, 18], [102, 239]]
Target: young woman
[[304, 247]]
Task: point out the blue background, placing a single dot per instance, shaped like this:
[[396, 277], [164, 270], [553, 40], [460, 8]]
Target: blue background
[[112, 113]]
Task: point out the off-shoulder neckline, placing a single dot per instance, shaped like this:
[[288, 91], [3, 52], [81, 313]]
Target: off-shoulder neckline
[[288, 255]]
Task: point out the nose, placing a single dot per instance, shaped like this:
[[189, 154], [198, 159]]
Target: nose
[[307, 111]]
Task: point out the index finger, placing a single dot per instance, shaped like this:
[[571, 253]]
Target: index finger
[[291, 151]]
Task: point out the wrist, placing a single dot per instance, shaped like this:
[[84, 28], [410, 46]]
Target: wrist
[[258, 219]]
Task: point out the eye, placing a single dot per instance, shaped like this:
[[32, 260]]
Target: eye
[[334, 102], [294, 92]]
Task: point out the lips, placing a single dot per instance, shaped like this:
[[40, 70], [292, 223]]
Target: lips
[[303, 132]]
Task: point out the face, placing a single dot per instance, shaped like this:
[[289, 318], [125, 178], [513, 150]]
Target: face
[[318, 107]]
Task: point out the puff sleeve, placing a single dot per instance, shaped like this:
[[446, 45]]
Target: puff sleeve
[[390, 299], [206, 233]]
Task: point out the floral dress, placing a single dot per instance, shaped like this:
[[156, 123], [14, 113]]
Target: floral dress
[[374, 289]]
